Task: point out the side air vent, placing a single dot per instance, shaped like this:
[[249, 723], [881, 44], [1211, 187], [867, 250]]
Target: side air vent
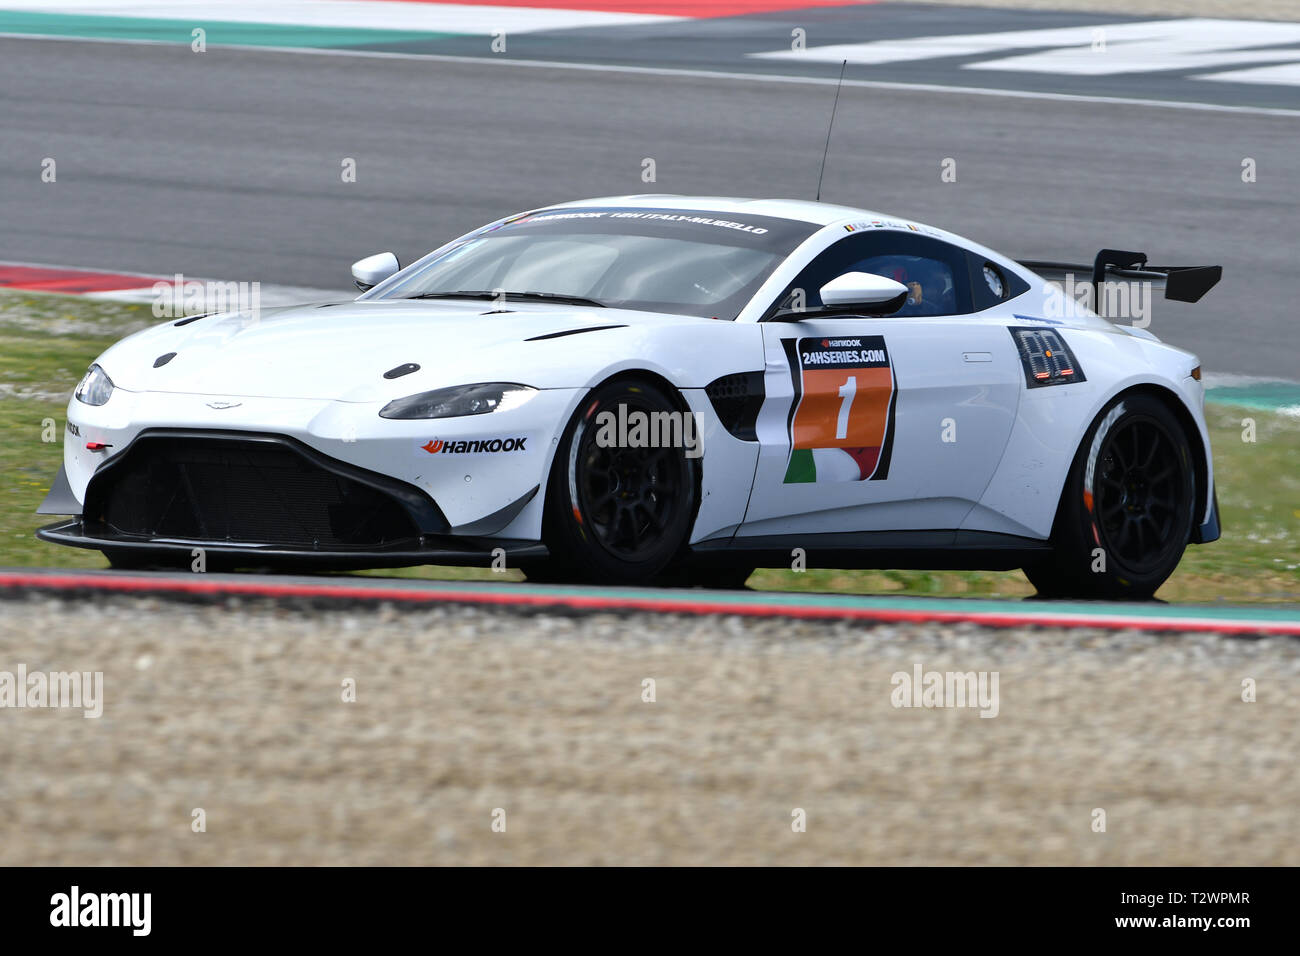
[[736, 399]]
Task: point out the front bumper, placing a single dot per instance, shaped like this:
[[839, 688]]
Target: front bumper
[[260, 499], [434, 455]]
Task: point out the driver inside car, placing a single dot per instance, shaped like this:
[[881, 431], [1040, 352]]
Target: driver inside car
[[929, 283]]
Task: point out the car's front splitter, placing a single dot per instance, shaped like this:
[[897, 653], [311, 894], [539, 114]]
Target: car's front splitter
[[428, 549]]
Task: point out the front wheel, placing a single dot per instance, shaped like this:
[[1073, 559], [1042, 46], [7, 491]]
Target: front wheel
[[619, 509], [1126, 512]]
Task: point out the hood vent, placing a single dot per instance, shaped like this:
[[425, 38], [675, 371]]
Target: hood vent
[[401, 370], [589, 328], [162, 360]]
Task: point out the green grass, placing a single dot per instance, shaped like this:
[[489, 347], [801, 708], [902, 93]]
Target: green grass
[[47, 341]]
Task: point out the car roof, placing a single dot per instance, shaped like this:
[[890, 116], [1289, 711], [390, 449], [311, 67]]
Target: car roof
[[802, 210], [820, 214]]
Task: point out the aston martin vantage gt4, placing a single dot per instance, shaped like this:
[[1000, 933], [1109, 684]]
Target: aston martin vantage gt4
[[661, 389]]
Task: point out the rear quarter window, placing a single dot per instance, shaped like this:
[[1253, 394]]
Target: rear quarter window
[[991, 284]]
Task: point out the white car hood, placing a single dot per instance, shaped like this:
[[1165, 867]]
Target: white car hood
[[340, 351]]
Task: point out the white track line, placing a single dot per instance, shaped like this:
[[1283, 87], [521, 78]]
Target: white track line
[[687, 73]]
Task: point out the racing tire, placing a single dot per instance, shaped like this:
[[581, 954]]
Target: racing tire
[[617, 514], [1126, 512]]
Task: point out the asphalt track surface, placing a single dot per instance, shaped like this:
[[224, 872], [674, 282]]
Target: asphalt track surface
[[228, 165]]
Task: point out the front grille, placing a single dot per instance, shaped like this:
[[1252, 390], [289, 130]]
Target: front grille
[[244, 492]]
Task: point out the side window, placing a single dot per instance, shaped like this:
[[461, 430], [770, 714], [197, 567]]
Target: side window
[[931, 282], [936, 274]]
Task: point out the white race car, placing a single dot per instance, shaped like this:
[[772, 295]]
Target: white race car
[[660, 388]]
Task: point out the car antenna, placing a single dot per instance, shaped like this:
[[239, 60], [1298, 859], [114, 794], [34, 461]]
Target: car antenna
[[829, 127]]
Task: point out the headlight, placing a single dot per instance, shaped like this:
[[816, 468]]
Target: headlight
[[95, 387], [459, 400]]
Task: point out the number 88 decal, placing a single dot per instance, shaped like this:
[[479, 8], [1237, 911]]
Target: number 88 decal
[[841, 428]]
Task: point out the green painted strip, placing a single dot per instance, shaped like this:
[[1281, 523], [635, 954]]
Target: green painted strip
[[218, 33], [1264, 396], [802, 467], [805, 599]]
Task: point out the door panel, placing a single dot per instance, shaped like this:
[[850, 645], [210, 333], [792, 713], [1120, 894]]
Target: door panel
[[880, 424]]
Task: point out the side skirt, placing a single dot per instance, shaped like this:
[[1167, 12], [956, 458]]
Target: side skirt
[[936, 550]]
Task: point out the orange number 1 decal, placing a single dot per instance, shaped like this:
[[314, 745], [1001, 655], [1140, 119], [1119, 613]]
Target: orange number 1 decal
[[840, 430], [847, 391]]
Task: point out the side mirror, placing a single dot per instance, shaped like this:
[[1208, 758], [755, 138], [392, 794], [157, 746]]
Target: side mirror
[[855, 289], [372, 270]]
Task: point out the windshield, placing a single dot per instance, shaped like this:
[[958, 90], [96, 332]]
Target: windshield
[[659, 260]]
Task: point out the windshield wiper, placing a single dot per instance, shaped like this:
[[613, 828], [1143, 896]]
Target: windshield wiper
[[527, 296], [556, 297], [464, 294]]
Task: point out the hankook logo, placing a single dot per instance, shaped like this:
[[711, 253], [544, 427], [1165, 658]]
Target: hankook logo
[[437, 446]]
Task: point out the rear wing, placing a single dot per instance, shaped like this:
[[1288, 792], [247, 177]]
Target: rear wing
[[1181, 283]]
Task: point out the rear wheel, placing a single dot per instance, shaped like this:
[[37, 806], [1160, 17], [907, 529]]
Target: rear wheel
[[617, 513], [1126, 512]]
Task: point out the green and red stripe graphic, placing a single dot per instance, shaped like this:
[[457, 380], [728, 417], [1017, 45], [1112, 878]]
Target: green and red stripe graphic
[[341, 24], [93, 585]]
